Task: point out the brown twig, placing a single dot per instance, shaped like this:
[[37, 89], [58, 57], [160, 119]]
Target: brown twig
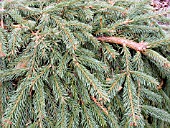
[[2, 54], [99, 105], [141, 47], [2, 23], [22, 64], [160, 86]]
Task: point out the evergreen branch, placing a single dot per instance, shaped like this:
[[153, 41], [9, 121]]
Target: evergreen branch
[[98, 115], [131, 99], [68, 38], [55, 7], [152, 96], [127, 59], [53, 67], [111, 28], [99, 105], [91, 38], [62, 116], [57, 87], [138, 97], [149, 16], [142, 46], [145, 79], [71, 122], [112, 120], [31, 11], [87, 118], [138, 64], [140, 119], [78, 25], [117, 82], [156, 112], [2, 54], [62, 66], [16, 105], [143, 28], [93, 63], [87, 77], [33, 60], [39, 103], [158, 60], [166, 99], [45, 69], [85, 97], [16, 16], [105, 30], [102, 6], [15, 41], [10, 74], [158, 43], [51, 106], [82, 51], [3, 42], [74, 114], [110, 50]]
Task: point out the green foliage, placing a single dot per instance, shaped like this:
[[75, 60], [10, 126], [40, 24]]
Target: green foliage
[[55, 73]]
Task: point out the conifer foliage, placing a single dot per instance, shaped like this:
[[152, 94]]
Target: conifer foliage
[[83, 63]]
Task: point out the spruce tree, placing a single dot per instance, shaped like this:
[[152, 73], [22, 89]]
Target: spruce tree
[[84, 64]]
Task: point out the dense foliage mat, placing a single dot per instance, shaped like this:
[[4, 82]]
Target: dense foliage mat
[[84, 63]]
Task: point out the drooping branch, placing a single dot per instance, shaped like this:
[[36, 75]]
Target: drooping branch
[[141, 47]]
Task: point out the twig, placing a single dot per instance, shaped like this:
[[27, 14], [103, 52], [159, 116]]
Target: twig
[[99, 105], [141, 47], [2, 23], [160, 86], [2, 54]]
